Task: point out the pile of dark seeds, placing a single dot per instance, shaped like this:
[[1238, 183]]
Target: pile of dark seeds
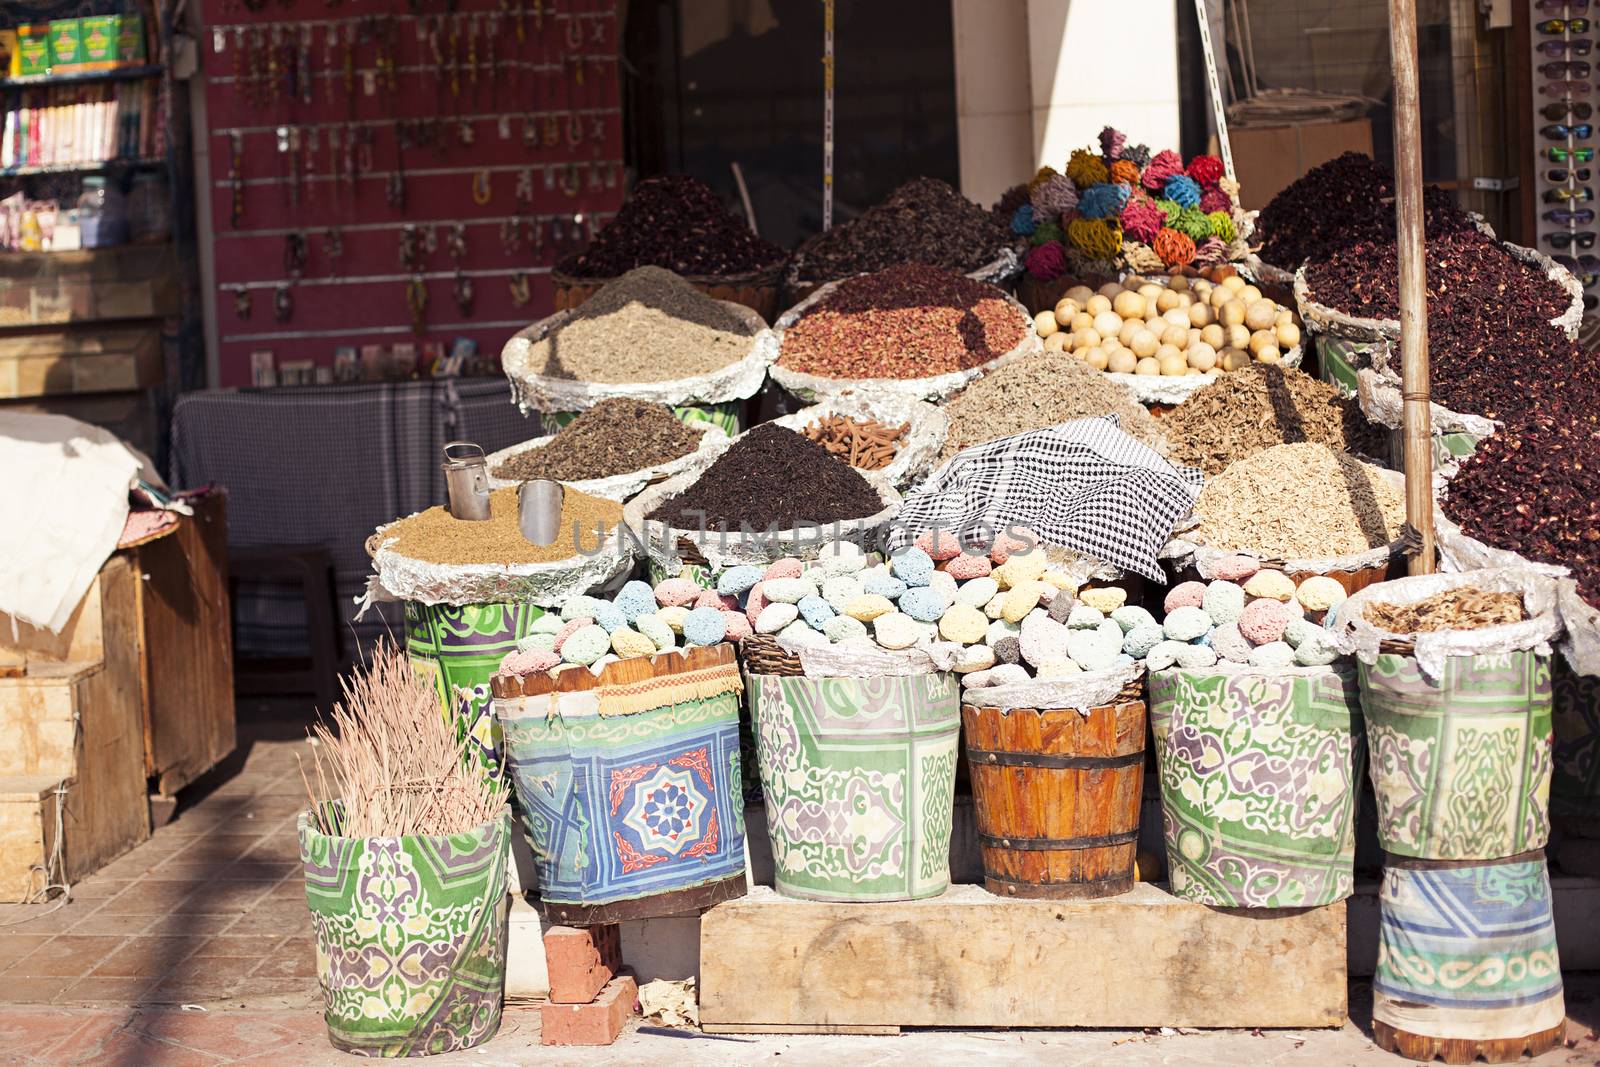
[[771, 477], [923, 221], [675, 222], [615, 436]]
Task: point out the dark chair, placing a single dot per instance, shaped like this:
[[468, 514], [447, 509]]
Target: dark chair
[[312, 568]]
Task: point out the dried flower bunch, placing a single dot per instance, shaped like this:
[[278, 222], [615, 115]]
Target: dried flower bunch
[[391, 764]]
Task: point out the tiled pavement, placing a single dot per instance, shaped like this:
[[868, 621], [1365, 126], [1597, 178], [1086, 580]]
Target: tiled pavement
[[195, 949]]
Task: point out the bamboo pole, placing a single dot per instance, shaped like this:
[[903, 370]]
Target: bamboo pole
[[1417, 424]]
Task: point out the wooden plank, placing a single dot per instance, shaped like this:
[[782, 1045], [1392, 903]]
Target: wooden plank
[[79, 640], [188, 648], [971, 959], [776, 1028], [22, 833]]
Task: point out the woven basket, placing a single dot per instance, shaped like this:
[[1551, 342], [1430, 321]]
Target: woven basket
[[757, 290], [763, 655]]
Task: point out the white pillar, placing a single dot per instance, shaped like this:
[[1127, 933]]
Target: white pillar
[[994, 120]]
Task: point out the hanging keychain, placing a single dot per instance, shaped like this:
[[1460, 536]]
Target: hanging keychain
[[236, 174], [242, 304], [333, 249], [417, 303], [282, 304], [521, 291], [465, 294], [482, 191], [294, 254]]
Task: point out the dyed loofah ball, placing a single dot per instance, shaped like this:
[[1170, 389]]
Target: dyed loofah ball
[[586, 645], [843, 628], [609, 617], [1223, 603], [1216, 200], [841, 589], [1230, 644], [966, 567], [798, 633], [999, 630], [584, 607], [940, 545], [1165, 166], [1043, 640], [1174, 248], [1047, 262], [1184, 595], [775, 617], [1138, 641], [1061, 607], [1044, 233], [673, 617], [1235, 568], [896, 630], [788, 590], [1221, 224], [1272, 655], [676, 592], [704, 626], [912, 566], [1133, 616], [1096, 238], [528, 662], [868, 607], [635, 599], [1112, 142], [1320, 593], [1186, 624], [631, 644], [657, 630], [1125, 172], [924, 604], [1022, 221], [1106, 600], [1095, 650], [1205, 170], [1196, 657], [1012, 539], [973, 658], [736, 580], [1275, 585], [841, 557], [944, 585], [1163, 655], [883, 585], [1182, 191], [545, 642], [1021, 599], [1317, 650], [545, 624], [1103, 201], [787, 567], [1142, 219], [738, 626], [710, 598], [1193, 224], [1083, 617], [977, 592], [1086, 169], [1264, 621], [1053, 199], [816, 612], [963, 623]]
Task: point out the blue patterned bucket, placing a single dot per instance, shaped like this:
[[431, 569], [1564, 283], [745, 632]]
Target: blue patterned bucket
[[629, 787]]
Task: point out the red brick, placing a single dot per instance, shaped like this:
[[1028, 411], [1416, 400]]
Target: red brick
[[596, 1023], [581, 960]]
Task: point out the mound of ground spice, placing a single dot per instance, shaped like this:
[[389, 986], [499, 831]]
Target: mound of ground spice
[[1040, 391], [436, 536], [771, 476], [909, 321], [675, 222], [616, 436], [1258, 407], [647, 326], [923, 221]]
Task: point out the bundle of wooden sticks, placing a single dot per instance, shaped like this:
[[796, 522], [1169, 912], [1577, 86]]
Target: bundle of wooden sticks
[[862, 443]]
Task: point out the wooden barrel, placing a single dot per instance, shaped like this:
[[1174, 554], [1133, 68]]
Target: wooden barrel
[[1056, 793]]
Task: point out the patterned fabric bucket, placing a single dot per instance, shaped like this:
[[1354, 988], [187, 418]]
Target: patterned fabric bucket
[[1575, 784], [1467, 951], [859, 776], [1258, 785], [461, 646], [1460, 765], [411, 937], [629, 787]]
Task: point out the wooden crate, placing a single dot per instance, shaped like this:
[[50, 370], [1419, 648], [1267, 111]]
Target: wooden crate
[[80, 361], [92, 285], [970, 959]]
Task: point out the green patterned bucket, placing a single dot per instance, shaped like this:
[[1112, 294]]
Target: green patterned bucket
[[728, 416], [461, 646], [1338, 360], [1575, 783], [1460, 764], [1258, 785], [859, 777], [411, 937]]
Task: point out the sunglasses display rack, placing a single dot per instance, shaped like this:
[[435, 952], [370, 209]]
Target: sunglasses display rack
[[1564, 120]]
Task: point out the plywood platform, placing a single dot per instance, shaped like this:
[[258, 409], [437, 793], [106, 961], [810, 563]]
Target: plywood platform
[[970, 959]]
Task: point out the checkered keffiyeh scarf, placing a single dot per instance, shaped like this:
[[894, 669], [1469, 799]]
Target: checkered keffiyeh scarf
[[1084, 485]]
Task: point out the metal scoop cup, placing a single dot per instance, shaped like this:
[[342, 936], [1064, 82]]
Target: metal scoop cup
[[539, 510]]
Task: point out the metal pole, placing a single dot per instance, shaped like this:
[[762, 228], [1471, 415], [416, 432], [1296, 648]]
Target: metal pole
[[1219, 110], [1417, 424], [827, 114]]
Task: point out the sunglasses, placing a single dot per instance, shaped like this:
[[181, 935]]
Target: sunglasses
[[1561, 216], [1559, 196], [1565, 68], [1565, 88], [1560, 131], [1578, 264], [1559, 175], [1560, 154], [1578, 46], [1549, 26], [1567, 240], [1579, 6], [1562, 110]]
